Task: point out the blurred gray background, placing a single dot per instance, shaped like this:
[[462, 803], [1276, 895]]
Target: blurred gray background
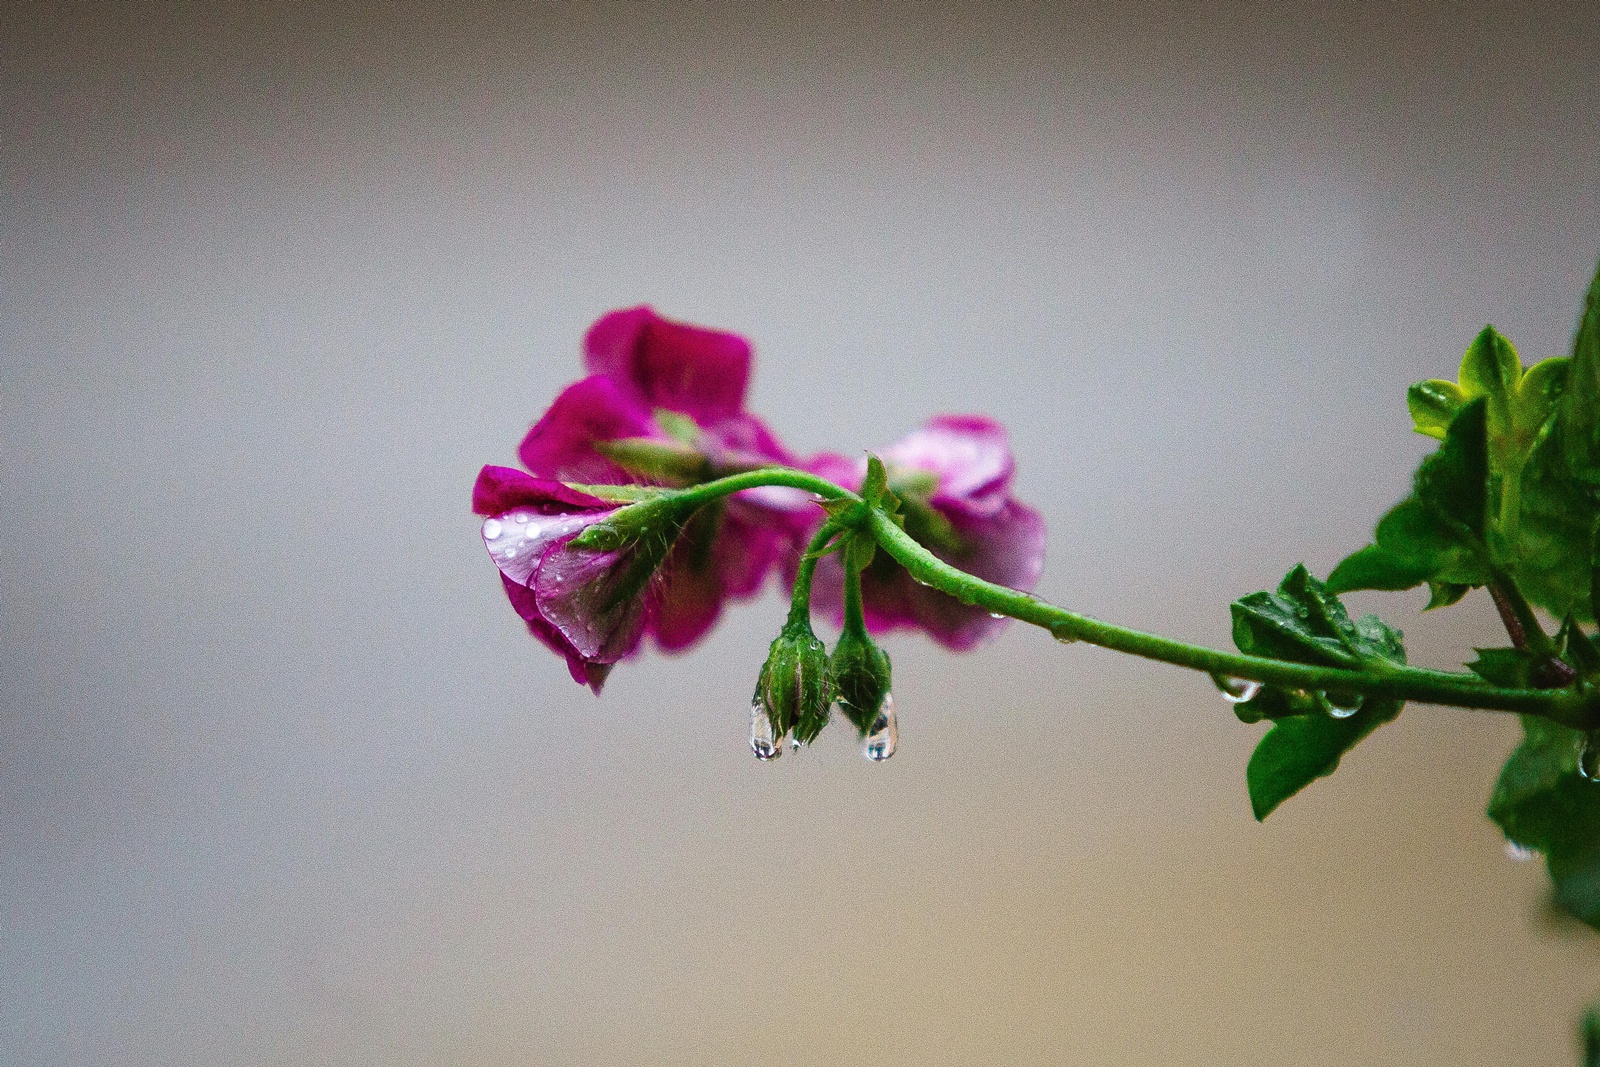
[[282, 780]]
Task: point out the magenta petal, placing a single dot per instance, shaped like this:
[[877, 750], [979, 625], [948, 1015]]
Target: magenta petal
[[499, 489], [702, 373], [970, 454], [583, 672], [584, 594], [744, 440], [562, 443], [840, 470], [748, 545], [1007, 549], [687, 599]]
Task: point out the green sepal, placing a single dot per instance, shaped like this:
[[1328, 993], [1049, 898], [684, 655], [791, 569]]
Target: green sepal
[[861, 677], [652, 522], [793, 688], [663, 462], [1306, 623], [1589, 1036], [1509, 668], [678, 426], [876, 483], [1541, 802]]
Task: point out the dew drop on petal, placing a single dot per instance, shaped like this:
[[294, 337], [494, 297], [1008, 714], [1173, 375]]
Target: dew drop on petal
[[998, 615], [1236, 690], [521, 518], [1520, 853], [491, 529], [763, 743], [1340, 705], [509, 552], [884, 735]]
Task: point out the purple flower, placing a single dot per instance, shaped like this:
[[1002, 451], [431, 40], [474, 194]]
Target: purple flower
[[954, 477], [575, 600], [664, 405]]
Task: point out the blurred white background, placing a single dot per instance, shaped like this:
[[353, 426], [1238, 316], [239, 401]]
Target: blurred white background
[[283, 781]]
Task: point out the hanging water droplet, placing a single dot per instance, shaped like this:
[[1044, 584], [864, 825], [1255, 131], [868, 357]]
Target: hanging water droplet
[[1236, 690], [491, 529], [884, 734], [1589, 758], [1340, 705], [1063, 635], [762, 741], [1520, 853]]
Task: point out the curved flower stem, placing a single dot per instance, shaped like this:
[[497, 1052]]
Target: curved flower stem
[[1577, 708], [800, 606], [1568, 707]]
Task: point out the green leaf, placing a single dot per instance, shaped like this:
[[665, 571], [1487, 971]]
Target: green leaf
[[1306, 623], [1435, 534], [1433, 404], [1444, 594], [1297, 751], [1552, 553], [1453, 482], [1542, 802], [1579, 410], [1490, 367]]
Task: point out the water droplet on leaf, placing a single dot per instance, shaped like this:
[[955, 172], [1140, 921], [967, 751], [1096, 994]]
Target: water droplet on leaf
[[1236, 690], [763, 743], [491, 529], [884, 734], [1340, 705], [1520, 853], [1589, 758]]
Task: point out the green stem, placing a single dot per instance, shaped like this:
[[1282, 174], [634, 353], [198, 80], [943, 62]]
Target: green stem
[[1568, 707], [855, 622], [1394, 682], [800, 604]]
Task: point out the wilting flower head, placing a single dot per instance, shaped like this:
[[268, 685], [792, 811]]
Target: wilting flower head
[[589, 603], [664, 405], [953, 477]]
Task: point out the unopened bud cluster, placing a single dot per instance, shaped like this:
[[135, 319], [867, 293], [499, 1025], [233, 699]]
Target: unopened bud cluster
[[800, 683]]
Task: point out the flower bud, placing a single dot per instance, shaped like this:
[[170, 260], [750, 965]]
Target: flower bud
[[860, 674], [792, 693]]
